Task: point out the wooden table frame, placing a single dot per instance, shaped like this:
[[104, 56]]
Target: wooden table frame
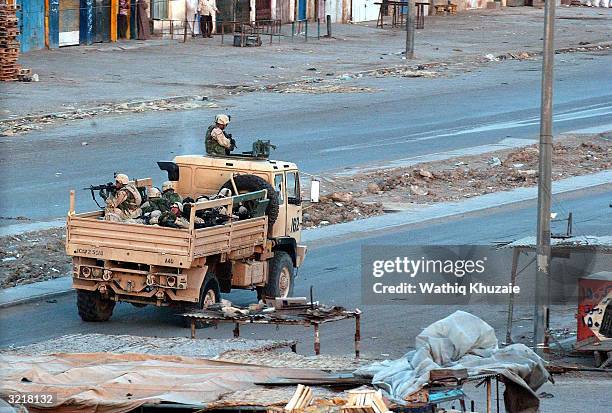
[[302, 321]]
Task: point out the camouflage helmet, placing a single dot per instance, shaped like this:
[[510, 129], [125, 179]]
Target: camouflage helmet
[[167, 185], [222, 119], [122, 179], [153, 192]]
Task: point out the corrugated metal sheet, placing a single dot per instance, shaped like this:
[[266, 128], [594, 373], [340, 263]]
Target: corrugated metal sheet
[[582, 242]]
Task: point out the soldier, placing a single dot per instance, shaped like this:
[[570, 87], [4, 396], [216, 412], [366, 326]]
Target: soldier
[[217, 142], [155, 202], [173, 218], [169, 194], [124, 203]]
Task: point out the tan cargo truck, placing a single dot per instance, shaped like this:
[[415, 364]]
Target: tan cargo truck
[[149, 264]]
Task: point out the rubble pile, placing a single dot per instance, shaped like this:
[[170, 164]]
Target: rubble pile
[[338, 207], [20, 126], [456, 179], [32, 257]]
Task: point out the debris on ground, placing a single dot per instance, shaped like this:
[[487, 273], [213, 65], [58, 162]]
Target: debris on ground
[[453, 179], [328, 211], [32, 257], [321, 89], [19, 126], [171, 346]]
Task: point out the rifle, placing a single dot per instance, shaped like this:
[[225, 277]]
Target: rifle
[[232, 143], [104, 190]]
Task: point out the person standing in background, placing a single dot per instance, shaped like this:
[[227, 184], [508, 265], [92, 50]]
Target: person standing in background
[[207, 8], [144, 31], [122, 18]]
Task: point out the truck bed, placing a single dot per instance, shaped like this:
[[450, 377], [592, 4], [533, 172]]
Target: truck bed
[[89, 236]]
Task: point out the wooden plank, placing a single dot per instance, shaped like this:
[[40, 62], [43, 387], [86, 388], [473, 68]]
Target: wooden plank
[[129, 236], [126, 227], [135, 246]]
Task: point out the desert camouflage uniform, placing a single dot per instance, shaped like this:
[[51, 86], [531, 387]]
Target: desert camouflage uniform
[[216, 142], [123, 205]]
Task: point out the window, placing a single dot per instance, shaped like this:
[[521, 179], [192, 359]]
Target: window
[[293, 187], [278, 187]]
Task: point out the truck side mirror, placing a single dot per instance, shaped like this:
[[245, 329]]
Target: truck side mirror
[[314, 191]]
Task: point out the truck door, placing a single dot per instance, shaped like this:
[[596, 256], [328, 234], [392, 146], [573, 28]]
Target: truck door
[[280, 224], [294, 205]]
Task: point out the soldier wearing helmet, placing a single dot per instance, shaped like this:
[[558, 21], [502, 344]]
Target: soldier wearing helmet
[[169, 194], [155, 202], [217, 142], [174, 217], [125, 203]]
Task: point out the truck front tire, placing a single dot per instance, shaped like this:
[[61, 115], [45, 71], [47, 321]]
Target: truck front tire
[[93, 307], [280, 277]]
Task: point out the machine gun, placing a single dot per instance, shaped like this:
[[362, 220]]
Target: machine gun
[[261, 149], [104, 191]]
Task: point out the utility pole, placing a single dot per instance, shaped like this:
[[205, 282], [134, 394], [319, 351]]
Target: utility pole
[[410, 30], [542, 287]]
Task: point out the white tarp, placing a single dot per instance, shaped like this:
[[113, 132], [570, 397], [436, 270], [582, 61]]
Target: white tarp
[[459, 341]]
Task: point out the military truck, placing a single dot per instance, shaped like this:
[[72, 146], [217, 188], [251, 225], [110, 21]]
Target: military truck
[[189, 268]]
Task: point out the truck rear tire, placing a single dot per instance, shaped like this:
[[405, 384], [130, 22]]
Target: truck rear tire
[[252, 183], [93, 307], [280, 277], [210, 293]]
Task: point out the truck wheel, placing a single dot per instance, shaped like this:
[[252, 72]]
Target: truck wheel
[[252, 183], [209, 294], [92, 307], [280, 277]]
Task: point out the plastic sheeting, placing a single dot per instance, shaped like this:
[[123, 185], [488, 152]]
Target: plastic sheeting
[[103, 382], [458, 341]]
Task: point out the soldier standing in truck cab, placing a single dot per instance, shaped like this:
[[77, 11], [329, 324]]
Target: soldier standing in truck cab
[[125, 202], [169, 194], [217, 143]]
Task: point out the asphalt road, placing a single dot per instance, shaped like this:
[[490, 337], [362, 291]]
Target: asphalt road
[[408, 117], [334, 271]]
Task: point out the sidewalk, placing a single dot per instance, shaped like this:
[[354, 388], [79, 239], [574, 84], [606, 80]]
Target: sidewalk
[[81, 77], [354, 229]]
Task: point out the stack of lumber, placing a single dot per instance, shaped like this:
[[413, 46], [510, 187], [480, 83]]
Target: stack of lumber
[[300, 400], [9, 44], [364, 401]]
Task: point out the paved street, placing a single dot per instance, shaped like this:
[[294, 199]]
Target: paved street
[[408, 117], [386, 329]]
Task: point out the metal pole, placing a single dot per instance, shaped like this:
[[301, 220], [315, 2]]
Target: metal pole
[[318, 29], [185, 24], [410, 31], [306, 29], [542, 295], [292, 30], [328, 18]]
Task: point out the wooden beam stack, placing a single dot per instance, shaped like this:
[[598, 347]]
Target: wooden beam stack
[[9, 44], [300, 400], [364, 401]]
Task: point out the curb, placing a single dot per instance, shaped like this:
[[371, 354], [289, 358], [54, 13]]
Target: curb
[[35, 298]]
